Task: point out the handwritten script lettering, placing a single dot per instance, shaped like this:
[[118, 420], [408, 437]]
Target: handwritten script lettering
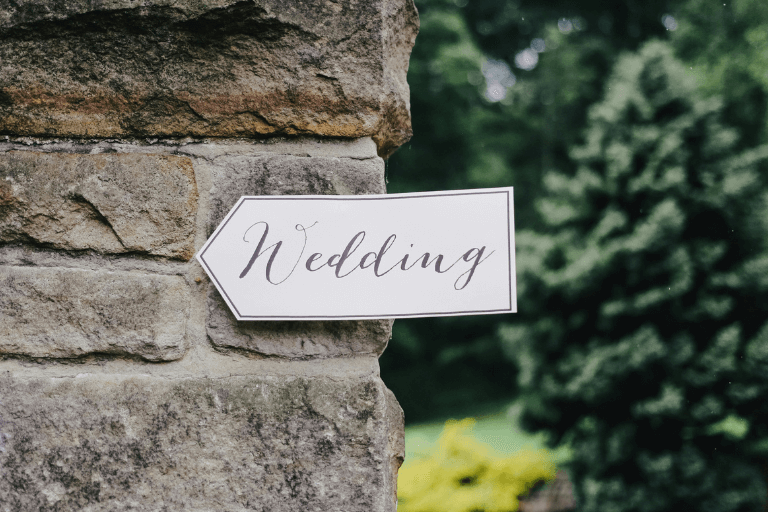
[[352, 257], [344, 263]]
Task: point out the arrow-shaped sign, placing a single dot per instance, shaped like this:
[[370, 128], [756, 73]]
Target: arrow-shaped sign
[[361, 257]]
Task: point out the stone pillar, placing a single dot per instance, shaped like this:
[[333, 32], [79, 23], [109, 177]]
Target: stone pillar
[[127, 131]]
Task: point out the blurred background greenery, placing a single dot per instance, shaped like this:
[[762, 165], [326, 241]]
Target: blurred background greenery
[[634, 134]]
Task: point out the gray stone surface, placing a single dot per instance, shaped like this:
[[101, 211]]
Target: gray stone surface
[[395, 440], [363, 148], [125, 382], [236, 176], [65, 313], [107, 443], [110, 203], [211, 68], [293, 339]]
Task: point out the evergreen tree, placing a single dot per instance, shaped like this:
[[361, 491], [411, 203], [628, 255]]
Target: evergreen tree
[[642, 338], [726, 45], [464, 139]]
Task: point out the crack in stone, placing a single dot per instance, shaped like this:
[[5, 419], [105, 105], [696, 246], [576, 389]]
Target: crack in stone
[[97, 215]]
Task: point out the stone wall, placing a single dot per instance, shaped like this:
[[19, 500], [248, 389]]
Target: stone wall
[[127, 131]]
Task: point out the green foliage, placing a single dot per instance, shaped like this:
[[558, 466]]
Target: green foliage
[[643, 267], [644, 345], [726, 46], [463, 475], [443, 59], [439, 366], [446, 367]]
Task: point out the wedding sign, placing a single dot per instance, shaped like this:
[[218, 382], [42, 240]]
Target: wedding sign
[[362, 257]]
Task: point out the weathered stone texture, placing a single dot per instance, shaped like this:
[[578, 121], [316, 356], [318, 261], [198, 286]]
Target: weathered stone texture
[[118, 111], [57, 312], [396, 440], [212, 68], [106, 443], [265, 174], [293, 339], [236, 176], [402, 17], [110, 203]]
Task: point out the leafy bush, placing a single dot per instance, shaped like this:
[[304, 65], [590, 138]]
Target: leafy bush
[[462, 475], [647, 347]]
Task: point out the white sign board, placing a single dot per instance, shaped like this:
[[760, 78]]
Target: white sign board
[[362, 257]]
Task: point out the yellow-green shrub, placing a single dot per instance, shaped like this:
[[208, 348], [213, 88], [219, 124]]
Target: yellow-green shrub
[[463, 475]]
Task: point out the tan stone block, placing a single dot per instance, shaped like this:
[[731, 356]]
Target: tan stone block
[[219, 68], [110, 203], [65, 313]]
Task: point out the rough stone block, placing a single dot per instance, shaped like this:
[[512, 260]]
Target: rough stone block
[[236, 176], [58, 312], [220, 68], [111, 203], [278, 444], [295, 340], [265, 174]]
